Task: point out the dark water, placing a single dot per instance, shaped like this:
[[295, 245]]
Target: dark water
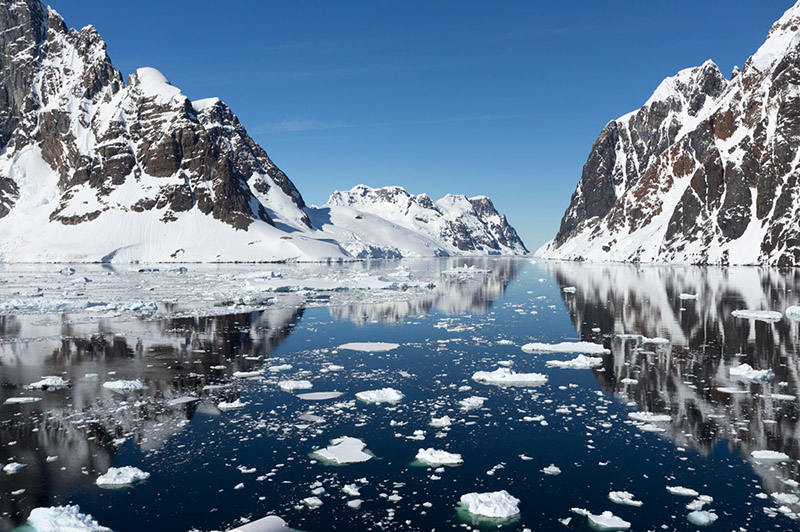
[[193, 451]]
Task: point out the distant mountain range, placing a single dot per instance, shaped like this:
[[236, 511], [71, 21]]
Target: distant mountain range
[[97, 168], [705, 172]]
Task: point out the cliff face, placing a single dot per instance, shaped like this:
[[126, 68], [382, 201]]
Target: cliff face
[[705, 172]]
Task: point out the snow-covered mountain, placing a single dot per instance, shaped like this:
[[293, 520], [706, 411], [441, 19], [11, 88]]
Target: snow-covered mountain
[[97, 168], [705, 172]]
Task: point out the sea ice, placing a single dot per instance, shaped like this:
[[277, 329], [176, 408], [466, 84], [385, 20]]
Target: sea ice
[[650, 417], [319, 396], [769, 456], [793, 313], [552, 470], [623, 497], [13, 467], [280, 367], [21, 400], [238, 403], [472, 402], [746, 372], [435, 457], [681, 491], [684, 297], [579, 362], [443, 421], [344, 450], [761, 315], [384, 395], [246, 374], [507, 377], [497, 504], [608, 521], [290, 386], [49, 382], [123, 386], [62, 519], [271, 523], [370, 347], [565, 347], [121, 476], [701, 517]]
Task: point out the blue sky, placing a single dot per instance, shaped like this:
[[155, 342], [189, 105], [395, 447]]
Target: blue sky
[[496, 98]]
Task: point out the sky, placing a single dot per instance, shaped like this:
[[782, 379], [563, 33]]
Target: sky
[[502, 99]]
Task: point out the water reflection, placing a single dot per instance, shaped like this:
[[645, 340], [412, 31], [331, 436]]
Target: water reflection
[[689, 377]]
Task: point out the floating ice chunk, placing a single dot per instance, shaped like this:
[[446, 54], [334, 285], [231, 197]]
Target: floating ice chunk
[[145, 307], [656, 340], [731, 390], [628, 380], [271, 523], [793, 313], [650, 417], [280, 367], [473, 402], [344, 450], [681, 491], [246, 374], [569, 289], [650, 427], [384, 395], [565, 347], [334, 367], [746, 372], [63, 518], [701, 517], [122, 476], [443, 421], [12, 467], [608, 521], [313, 502], [49, 382], [552, 470], [507, 377], [21, 400], [66, 272], [579, 362], [435, 457], [497, 504], [124, 386], [684, 297], [761, 315], [290, 386], [769, 456], [371, 347], [355, 504], [238, 403], [319, 396], [351, 490], [623, 497], [785, 498]]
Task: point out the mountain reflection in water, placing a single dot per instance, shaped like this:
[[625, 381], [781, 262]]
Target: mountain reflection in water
[[689, 377]]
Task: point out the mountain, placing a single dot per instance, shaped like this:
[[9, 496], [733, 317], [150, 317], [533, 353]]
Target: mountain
[[705, 172], [94, 167]]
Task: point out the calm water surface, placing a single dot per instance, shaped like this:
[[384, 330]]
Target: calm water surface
[[212, 469]]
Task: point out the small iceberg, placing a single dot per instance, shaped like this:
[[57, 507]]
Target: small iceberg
[[650, 417], [769, 456], [48, 383], [62, 518], [566, 347], [496, 504], [507, 377], [384, 395], [579, 362], [122, 476], [290, 386], [344, 450], [623, 497], [701, 517], [123, 386], [769, 316], [435, 457], [370, 347], [747, 373]]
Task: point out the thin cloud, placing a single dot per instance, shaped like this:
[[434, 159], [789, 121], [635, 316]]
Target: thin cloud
[[299, 124]]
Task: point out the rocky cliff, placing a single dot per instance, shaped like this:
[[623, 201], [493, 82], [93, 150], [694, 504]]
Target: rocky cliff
[[705, 172]]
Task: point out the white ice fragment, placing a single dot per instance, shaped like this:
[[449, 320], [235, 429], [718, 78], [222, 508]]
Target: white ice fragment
[[579, 362], [623, 497], [355, 504], [384, 395], [370, 347], [351, 490], [334, 367], [443, 421], [507, 377], [63, 518], [793, 313], [344, 450], [565, 347], [472, 402], [569, 289], [684, 297], [123, 386], [280, 367], [238, 403], [319, 396], [122, 476], [701, 517], [552, 470], [628, 380], [21, 400], [66, 272], [769, 456], [785, 498], [681, 491], [49, 382], [650, 417], [497, 504], [246, 374], [271, 523], [313, 502], [746, 372], [290, 386], [12, 467], [433, 456], [761, 315], [608, 521]]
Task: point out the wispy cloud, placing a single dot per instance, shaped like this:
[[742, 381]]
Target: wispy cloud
[[299, 124]]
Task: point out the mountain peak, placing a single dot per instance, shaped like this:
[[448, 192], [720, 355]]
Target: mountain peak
[[782, 38]]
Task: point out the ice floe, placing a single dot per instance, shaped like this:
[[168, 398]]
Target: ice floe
[[565, 347], [507, 377], [760, 315], [124, 386], [290, 385], [271, 523], [122, 476], [384, 395], [793, 312], [681, 491], [21, 400], [769, 456], [623, 497], [319, 396], [746, 372], [246, 374], [579, 362], [551, 470], [473, 402], [603, 521], [12, 467], [443, 421], [370, 347], [701, 517], [50, 382], [433, 456], [344, 450], [650, 417], [496, 504], [233, 405], [63, 519]]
